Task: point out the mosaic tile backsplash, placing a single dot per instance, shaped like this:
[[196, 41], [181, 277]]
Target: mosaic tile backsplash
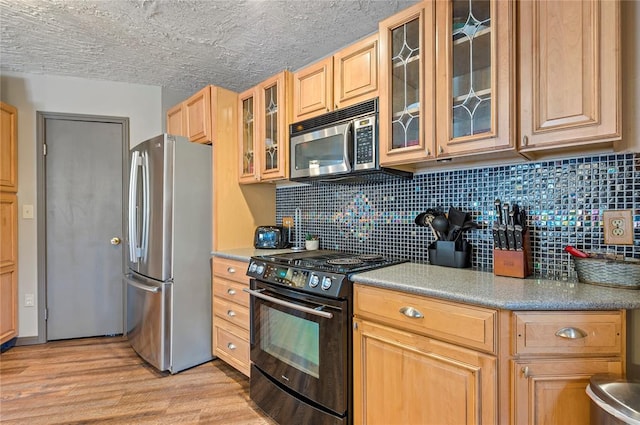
[[564, 201]]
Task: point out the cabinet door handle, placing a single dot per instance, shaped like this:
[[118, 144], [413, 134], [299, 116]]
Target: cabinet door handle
[[231, 313], [440, 149], [231, 346], [231, 291], [525, 372], [231, 270], [525, 140], [411, 312], [571, 333]]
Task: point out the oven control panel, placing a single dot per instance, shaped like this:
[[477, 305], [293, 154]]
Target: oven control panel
[[316, 282]]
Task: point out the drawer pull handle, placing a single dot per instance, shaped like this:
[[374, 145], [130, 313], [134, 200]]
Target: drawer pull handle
[[411, 312], [571, 333], [231, 270], [231, 313], [231, 346], [231, 291], [525, 371]]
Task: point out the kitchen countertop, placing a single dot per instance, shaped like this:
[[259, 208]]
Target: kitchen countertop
[[480, 288], [486, 289], [244, 254]]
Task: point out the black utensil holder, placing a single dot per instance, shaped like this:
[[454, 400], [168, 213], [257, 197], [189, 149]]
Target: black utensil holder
[[450, 254]]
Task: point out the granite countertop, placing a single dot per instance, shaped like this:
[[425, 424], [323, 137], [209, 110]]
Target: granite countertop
[[486, 289], [480, 288], [244, 254]]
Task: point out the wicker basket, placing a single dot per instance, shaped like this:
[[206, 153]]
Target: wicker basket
[[608, 272]]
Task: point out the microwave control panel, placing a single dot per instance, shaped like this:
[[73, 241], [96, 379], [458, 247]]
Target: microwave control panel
[[365, 147]]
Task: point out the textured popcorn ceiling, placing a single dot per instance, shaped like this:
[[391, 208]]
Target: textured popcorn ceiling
[[182, 45]]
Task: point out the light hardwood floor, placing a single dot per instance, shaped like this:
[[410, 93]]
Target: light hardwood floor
[[103, 381]]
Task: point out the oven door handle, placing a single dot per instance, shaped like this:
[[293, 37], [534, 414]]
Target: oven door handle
[[294, 306]]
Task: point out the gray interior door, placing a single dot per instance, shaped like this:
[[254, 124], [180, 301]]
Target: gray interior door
[[84, 289]]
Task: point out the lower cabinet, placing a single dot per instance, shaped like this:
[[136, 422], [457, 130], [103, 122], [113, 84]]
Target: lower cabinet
[[554, 355], [404, 374], [420, 360], [404, 378], [552, 391], [231, 313]]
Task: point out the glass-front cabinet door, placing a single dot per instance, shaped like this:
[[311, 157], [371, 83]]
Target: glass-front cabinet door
[[407, 85], [275, 115], [475, 76], [247, 136]]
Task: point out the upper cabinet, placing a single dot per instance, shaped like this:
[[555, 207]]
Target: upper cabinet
[[407, 85], [176, 121], [8, 148], [569, 74], [348, 77], [476, 62], [265, 114], [195, 117]]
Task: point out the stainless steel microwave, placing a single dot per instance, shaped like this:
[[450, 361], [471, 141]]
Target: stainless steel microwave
[[339, 145]]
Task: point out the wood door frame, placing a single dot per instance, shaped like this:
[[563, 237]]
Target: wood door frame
[[41, 118]]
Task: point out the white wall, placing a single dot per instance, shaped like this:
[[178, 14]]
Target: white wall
[[30, 93]]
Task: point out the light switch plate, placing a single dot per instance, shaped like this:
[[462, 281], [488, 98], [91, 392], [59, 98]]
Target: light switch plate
[[618, 227]]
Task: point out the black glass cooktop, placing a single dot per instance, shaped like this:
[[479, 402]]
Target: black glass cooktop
[[331, 261]]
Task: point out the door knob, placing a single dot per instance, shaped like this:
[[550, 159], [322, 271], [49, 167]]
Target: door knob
[[115, 241]]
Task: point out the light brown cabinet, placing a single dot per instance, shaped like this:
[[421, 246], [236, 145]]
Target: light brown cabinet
[[407, 86], [348, 77], [475, 93], [555, 354], [8, 222], [265, 115], [570, 84], [195, 117], [446, 362], [231, 313], [176, 121], [406, 371], [8, 148]]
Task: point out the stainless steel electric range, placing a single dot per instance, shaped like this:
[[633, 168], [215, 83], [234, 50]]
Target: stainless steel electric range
[[301, 340]]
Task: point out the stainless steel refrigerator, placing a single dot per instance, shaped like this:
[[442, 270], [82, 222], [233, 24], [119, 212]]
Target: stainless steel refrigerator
[[168, 280]]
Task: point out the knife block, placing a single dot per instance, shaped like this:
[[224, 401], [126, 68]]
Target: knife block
[[513, 263]]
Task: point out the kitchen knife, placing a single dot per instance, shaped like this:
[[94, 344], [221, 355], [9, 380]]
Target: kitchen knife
[[510, 231], [500, 241], [517, 234], [502, 230]]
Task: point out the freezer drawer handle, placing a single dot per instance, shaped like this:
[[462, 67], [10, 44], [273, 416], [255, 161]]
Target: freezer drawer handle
[[278, 301], [153, 289]]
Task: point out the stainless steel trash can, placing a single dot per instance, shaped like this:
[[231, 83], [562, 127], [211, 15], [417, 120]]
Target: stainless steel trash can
[[614, 401]]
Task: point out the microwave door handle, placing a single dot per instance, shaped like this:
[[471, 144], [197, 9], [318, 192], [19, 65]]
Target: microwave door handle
[[133, 188], [349, 142], [259, 294]]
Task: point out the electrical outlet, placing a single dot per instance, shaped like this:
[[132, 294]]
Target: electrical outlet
[[287, 221], [29, 300], [618, 227]]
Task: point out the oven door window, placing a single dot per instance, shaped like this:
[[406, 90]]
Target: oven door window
[[300, 350], [291, 339]]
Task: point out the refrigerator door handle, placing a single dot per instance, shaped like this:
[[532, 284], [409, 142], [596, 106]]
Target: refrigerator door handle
[[144, 244], [147, 288], [133, 188]]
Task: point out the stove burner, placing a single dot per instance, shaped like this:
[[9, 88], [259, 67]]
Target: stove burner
[[370, 257], [344, 261]]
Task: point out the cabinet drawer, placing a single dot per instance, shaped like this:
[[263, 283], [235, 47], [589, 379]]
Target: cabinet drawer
[[231, 291], [462, 324], [232, 312], [231, 269], [231, 347], [569, 332]]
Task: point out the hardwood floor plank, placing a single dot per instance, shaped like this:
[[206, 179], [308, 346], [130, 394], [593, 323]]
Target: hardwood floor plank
[[102, 380]]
